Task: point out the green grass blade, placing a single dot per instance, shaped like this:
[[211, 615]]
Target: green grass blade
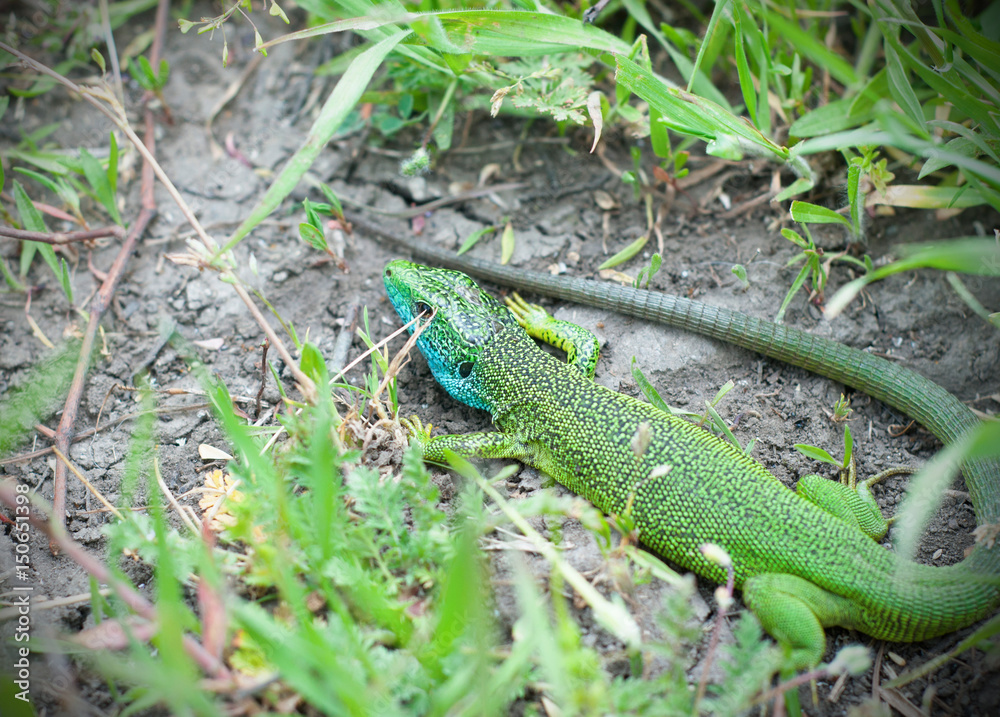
[[32, 220], [474, 238], [507, 241], [38, 177], [113, 164], [696, 116], [921, 197], [833, 117], [985, 51], [462, 601], [855, 196], [965, 255], [970, 135], [743, 70], [64, 280], [492, 32], [9, 277], [714, 24], [97, 177], [486, 32], [721, 424], [923, 497], [961, 145], [792, 291], [50, 162], [340, 102], [648, 390], [811, 48], [365, 10], [901, 89], [758, 49], [848, 446], [816, 454], [969, 298], [625, 254], [701, 84], [815, 214], [949, 86]]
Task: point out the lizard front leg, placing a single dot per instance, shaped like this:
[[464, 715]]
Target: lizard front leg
[[484, 444], [581, 346]]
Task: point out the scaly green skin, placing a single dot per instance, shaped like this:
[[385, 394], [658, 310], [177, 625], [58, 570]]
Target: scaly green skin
[[801, 568]]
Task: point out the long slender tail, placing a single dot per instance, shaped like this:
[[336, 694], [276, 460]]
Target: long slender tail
[[905, 390]]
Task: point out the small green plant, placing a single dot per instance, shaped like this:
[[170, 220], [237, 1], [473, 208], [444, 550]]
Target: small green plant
[[864, 171], [818, 454], [810, 256], [149, 79], [312, 230], [711, 414], [841, 409], [740, 272], [71, 179], [648, 271], [719, 423], [32, 220], [379, 366], [814, 266], [673, 165]]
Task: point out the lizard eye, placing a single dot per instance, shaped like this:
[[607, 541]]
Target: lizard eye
[[422, 308], [465, 369]]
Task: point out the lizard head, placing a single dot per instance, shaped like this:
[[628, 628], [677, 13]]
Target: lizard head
[[466, 319]]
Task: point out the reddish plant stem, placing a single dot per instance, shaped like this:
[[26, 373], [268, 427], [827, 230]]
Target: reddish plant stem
[[64, 433], [95, 568], [62, 237]]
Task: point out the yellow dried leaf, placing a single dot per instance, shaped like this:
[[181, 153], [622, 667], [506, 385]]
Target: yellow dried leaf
[[219, 492]]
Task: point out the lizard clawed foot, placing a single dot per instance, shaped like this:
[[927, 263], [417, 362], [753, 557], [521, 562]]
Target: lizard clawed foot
[[529, 316], [417, 430], [581, 346], [867, 484], [849, 499]]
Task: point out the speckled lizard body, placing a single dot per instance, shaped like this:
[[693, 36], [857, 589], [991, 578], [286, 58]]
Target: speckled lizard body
[[801, 565]]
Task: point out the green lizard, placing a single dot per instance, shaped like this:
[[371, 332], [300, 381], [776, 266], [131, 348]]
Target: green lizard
[[801, 559]]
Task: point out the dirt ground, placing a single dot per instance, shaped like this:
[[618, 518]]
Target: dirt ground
[[915, 319]]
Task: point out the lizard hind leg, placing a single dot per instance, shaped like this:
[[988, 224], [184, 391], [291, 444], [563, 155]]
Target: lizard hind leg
[[855, 506], [851, 500], [581, 346], [794, 611]]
